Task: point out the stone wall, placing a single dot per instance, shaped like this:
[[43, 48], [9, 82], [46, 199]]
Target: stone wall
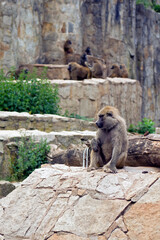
[[87, 97], [34, 32]]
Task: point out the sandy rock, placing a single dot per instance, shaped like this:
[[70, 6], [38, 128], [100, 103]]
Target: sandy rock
[[61, 202]]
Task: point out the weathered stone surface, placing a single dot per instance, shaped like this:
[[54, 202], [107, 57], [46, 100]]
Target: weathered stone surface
[[47, 205], [87, 97], [5, 188], [42, 122], [52, 71], [141, 219]]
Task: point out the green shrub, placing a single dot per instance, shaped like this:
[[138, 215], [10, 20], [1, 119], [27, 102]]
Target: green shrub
[[146, 3], [30, 156], [32, 95], [146, 125], [156, 7]]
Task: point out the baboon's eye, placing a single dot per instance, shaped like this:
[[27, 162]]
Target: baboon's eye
[[120, 66], [101, 115], [110, 114], [112, 67]]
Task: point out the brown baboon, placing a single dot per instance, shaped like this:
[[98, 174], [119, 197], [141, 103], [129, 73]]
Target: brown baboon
[[110, 145], [115, 71], [16, 73], [98, 69], [123, 71], [78, 72], [67, 46]]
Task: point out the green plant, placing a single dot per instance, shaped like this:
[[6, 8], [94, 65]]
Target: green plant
[[32, 95], [31, 155], [73, 115], [156, 8], [146, 3], [146, 125]]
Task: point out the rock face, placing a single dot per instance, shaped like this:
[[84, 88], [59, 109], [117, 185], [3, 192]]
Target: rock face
[[65, 203], [119, 31]]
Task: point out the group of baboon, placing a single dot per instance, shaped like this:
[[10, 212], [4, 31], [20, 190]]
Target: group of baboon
[[87, 66]]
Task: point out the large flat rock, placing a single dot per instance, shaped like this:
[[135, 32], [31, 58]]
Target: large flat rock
[[60, 202]]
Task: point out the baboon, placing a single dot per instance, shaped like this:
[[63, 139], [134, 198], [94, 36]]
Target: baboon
[[78, 72], [115, 71], [123, 71], [16, 73], [98, 69], [83, 60], [88, 51], [110, 145], [67, 46]]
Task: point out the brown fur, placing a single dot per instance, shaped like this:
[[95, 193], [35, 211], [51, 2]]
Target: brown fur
[[110, 145], [123, 71], [78, 72], [98, 69], [67, 46], [115, 71]]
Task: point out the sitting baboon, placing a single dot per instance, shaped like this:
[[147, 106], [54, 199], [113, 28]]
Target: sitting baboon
[[98, 69], [83, 60], [78, 72], [88, 51], [115, 71], [110, 145], [123, 71], [16, 73], [67, 46]]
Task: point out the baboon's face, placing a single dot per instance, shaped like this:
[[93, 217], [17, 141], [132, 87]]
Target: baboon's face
[[104, 120], [107, 118]]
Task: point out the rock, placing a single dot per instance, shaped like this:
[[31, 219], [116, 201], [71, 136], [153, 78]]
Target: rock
[[5, 188], [63, 203]]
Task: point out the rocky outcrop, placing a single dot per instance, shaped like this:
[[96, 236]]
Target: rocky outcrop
[[64, 203]]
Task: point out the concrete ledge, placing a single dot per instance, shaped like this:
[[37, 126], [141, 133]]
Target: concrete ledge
[[87, 97], [53, 71], [42, 122]]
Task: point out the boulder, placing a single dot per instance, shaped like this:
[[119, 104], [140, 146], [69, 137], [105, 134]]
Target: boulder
[[63, 203], [5, 188]]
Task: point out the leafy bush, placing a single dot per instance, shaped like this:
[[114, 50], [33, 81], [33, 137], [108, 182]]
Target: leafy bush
[[32, 95], [30, 156], [156, 7], [146, 125], [147, 3]]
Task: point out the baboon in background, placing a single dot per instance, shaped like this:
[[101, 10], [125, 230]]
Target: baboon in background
[[67, 46], [78, 72], [98, 69], [16, 73], [115, 71], [110, 145], [83, 60], [123, 71], [88, 51]]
